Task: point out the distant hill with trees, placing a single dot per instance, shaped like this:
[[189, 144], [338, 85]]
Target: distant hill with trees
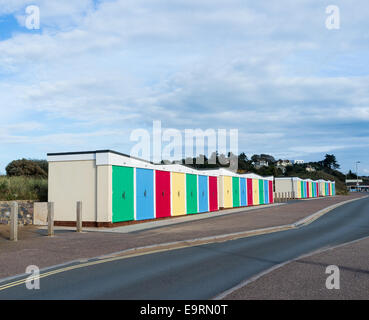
[[326, 169]]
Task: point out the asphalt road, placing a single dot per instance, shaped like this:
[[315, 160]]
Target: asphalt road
[[200, 272]]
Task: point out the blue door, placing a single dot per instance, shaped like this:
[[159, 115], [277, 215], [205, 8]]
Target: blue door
[[203, 194], [144, 194], [266, 191], [243, 192]]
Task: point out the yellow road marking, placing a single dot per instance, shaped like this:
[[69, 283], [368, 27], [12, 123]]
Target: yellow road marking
[[83, 265], [187, 244]]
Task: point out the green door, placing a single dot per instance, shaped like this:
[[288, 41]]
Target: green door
[[236, 191], [123, 194], [191, 193], [302, 190], [261, 191]]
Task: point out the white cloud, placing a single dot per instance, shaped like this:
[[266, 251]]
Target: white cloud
[[53, 13], [192, 64]]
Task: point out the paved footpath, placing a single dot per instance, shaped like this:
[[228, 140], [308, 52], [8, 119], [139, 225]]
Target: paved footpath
[[305, 278], [34, 247]]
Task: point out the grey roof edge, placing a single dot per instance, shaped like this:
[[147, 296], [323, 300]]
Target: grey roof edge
[[96, 151]]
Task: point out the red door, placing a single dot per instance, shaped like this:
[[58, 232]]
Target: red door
[[308, 189], [250, 202], [271, 200], [213, 193], [162, 194], [329, 189]]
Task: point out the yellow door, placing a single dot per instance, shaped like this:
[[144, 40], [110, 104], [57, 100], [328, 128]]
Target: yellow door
[[227, 192], [255, 191], [299, 190], [311, 189], [178, 193], [322, 188]]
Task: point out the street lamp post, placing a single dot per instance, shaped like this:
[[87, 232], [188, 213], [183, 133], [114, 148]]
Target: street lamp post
[[357, 176]]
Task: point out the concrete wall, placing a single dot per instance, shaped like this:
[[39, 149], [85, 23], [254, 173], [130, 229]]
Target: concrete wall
[[72, 181], [104, 194], [40, 213], [283, 185], [25, 211]]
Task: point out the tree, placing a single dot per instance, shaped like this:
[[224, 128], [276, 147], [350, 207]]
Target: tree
[[25, 167], [255, 158], [43, 164], [351, 175], [243, 157], [330, 162], [267, 157]]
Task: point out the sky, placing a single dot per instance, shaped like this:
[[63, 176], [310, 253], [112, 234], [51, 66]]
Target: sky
[[97, 70]]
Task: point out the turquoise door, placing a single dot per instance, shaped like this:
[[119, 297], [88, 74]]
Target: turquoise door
[[191, 192], [123, 194], [261, 191], [236, 191]]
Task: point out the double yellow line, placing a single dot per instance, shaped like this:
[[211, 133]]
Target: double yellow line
[[78, 266], [180, 245], [146, 251]]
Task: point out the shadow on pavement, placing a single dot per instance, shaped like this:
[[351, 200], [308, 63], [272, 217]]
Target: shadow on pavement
[[26, 232]]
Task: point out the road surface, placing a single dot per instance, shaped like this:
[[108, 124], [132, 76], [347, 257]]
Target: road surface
[[200, 272]]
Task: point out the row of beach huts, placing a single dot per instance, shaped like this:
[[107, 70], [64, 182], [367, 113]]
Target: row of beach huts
[[116, 188]]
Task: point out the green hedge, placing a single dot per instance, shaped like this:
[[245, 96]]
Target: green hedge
[[23, 188]]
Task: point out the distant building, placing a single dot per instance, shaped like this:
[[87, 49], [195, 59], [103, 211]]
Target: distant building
[[356, 185], [298, 162], [309, 168], [261, 163], [354, 181], [283, 163]]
